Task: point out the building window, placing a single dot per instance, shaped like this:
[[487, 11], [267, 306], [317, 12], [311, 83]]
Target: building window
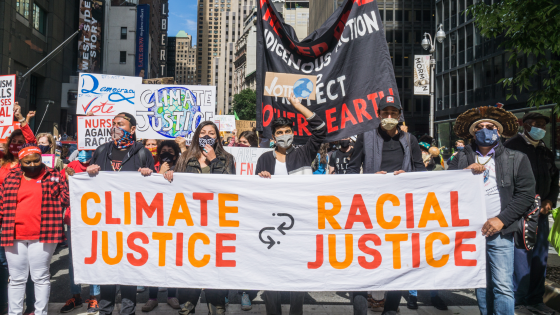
[[22, 7], [124, 32], [123, 57], [39, 19]]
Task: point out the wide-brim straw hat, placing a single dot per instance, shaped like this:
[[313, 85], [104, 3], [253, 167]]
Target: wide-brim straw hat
[[506, 122]]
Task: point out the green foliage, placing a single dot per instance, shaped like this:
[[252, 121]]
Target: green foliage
[[529, 27], [244, 104]]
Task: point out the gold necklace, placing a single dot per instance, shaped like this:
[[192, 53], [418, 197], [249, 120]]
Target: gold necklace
[[477, 161]]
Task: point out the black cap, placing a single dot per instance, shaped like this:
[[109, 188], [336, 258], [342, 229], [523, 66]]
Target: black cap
[[129, 117], [389, 100], [535, 115]]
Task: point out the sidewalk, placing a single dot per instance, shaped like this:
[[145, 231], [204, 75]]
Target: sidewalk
[[235, 309]]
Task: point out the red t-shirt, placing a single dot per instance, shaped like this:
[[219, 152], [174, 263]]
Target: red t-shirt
[[28, 210], [4, 170]]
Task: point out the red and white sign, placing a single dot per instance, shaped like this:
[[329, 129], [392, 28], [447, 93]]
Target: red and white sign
[[246, 158], [7, 99], [6, 131], [93, 131]]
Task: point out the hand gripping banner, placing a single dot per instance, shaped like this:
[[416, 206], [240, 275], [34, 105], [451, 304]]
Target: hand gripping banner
[[349, 56], [414, 231]]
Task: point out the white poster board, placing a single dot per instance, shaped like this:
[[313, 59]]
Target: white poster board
[[93, 131], [104, 94], [227, 122], [246, 158], [48, 159], [7, 99]]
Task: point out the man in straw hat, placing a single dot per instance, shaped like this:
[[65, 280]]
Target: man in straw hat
[[510, 191]]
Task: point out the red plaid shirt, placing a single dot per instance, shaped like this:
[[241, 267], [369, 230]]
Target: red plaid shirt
[[55, 198]]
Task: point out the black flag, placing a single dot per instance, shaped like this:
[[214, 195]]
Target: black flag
[[349, 56]]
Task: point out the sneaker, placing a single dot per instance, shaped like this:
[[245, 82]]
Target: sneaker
[[174, 303], [187, 309], [375, 305], [245, 302], [140, 289], [438, 303], [150, 305], [412, 302], [541, 309], [71, 304], [522, 310], [93, 307]]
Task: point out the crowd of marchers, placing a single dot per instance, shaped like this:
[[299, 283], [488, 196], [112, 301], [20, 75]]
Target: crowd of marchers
[[513, 163]]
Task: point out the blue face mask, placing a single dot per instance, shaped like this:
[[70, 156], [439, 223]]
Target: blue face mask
[[460, 148], [536, 133], [84, 156], [486, 138]]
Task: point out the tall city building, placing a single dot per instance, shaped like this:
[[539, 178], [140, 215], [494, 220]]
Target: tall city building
[[245, 60], [185, 64], [220, 23], [158, 38], [405, 22], [468, 68], [29, 31], [171, 49], [296, 14], [120, 38]]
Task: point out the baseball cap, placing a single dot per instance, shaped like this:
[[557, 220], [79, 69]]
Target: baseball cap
[[389, 100], [535, 115]]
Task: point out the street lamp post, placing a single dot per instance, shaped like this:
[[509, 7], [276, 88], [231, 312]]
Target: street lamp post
[[427, 43]]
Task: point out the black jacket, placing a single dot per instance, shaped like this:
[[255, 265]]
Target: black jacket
[[219, 165], [516, 183], [368, 153], [298, 160], [102, 157], [542, 163]]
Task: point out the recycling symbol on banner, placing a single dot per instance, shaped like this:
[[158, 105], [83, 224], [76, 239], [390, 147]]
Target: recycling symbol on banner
[[281, 228]]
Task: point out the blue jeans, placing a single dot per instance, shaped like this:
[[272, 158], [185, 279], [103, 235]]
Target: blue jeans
[[498, 298], [530, 268], [433, 293], [77, 288]]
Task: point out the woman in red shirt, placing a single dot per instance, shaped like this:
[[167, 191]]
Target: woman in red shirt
[[32, 201], [15, 142]]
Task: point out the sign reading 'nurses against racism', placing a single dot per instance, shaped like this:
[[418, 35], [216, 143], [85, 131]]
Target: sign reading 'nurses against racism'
[[349, 57], [362, 232]]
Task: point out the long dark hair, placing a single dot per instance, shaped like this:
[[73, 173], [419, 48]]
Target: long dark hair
[[8, 156], [251, 138], [323, 151], [194, 150]]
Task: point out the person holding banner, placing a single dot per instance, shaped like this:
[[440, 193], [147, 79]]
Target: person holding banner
[[208, 157], [124, 153], [510, 192], [385, 149], [32, 201], [287, 160]]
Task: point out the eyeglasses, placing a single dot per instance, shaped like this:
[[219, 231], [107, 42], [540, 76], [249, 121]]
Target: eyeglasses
[[480, 127]]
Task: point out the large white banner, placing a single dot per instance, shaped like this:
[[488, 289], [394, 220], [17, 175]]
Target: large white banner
[[303, 233], [161, 111], [7, 99], [246, 158], [422, 74]]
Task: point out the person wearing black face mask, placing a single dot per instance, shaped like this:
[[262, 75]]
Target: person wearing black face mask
[[510, 191], [338, 163], [33, 200]]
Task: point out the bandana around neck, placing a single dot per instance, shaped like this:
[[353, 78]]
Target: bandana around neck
[[126, 139]]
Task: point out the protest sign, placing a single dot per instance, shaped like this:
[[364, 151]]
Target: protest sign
[[226, 122], [244, 125], [284, 84], [348, 55], [48, 159], [288, 233], [93, 131], [166, 80], [6, 131], [7, 99], [104, 94], [170, 111], [246, 158], [422, 75]]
